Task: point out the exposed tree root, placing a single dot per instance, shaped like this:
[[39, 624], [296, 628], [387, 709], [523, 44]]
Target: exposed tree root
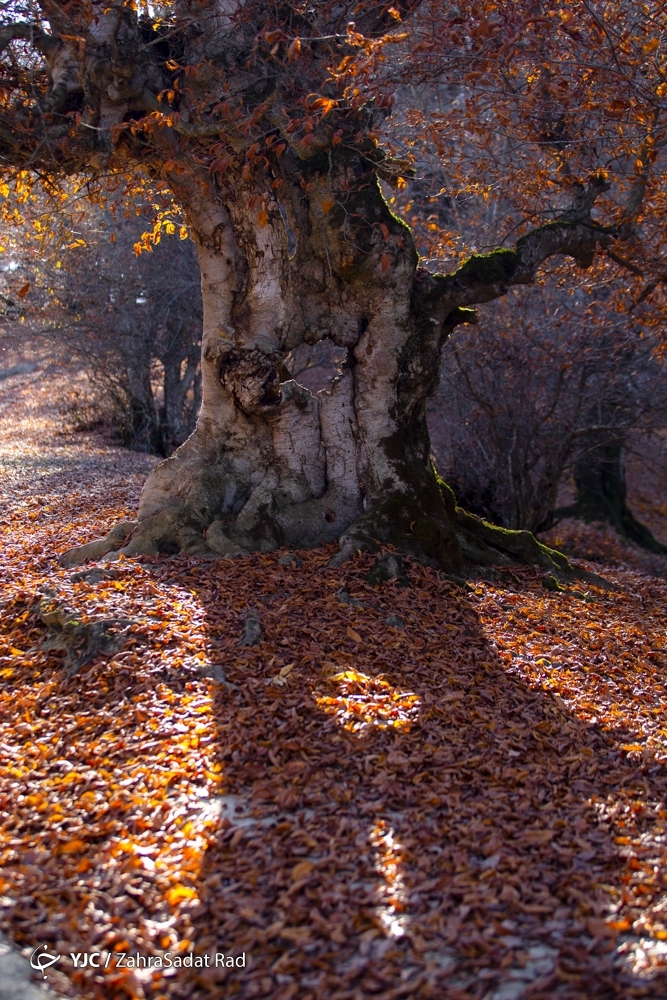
[[437, 532], [92, 551], [81, 641], [430, 527]]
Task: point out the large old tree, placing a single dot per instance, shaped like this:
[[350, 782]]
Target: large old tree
[[263, 121]]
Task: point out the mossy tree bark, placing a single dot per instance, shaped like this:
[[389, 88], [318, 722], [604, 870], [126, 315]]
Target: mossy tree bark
[[269, 464]]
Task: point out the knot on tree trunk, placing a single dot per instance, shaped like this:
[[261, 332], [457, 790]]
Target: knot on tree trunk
[[252, 378]]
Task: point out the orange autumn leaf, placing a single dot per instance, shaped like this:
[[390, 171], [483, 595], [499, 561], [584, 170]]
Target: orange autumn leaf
[[325, 104], [293, 50], [179, 894], [74, 846], [302, 869]]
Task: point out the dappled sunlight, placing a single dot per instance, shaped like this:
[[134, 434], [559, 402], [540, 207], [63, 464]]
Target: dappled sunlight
[[392, 893], [602, 654], [115, 781], [419, 810], [642, 957], [106, 817], [365, 701], [611, 671]]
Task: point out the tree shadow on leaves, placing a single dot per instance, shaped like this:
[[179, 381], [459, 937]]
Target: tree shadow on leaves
[[402, 816]]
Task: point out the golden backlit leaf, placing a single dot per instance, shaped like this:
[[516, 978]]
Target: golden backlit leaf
[[293, 50], [179, 894]]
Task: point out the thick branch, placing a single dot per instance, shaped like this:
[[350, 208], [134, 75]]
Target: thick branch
[[487, 276], [484, 277], [27, 32]]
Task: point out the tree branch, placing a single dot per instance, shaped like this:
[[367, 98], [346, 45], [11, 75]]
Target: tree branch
[[484, 277], [29, 33]]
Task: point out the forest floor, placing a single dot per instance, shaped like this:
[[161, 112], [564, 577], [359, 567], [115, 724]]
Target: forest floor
[[423, 792]]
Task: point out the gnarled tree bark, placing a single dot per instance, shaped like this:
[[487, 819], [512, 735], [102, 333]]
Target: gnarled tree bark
[[269, 464]]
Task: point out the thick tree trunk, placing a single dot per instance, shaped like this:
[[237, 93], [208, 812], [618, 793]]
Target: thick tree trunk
[[269, 464]]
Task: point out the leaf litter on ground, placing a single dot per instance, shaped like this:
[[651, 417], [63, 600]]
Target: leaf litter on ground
[[468, 804]]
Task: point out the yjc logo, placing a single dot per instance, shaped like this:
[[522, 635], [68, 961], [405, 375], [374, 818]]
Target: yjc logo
[[41, 960]]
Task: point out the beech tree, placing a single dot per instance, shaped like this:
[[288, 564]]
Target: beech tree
[[265, 124]]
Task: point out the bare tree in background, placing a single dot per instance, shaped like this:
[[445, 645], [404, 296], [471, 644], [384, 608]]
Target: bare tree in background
[[133, 323], [548, 388]]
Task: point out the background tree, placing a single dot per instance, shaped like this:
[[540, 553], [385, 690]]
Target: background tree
[[263, 124], [550, 384], [133, 323]]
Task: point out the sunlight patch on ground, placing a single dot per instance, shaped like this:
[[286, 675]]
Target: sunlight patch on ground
[[392, 894], [366, 701], [642, 957]]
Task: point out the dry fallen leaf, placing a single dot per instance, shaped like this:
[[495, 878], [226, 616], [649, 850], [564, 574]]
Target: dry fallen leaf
[[302, 869]]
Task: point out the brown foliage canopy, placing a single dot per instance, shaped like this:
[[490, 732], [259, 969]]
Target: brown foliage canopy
[[531, 102]]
